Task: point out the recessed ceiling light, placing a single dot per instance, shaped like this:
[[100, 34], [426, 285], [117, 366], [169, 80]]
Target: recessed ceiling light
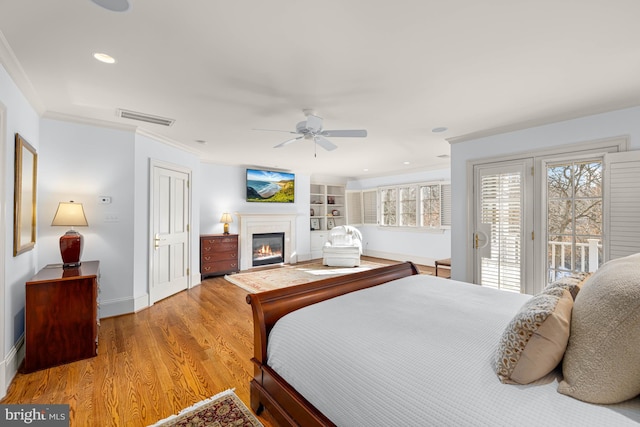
[[113, 5], [201, 141], [365, 170], [444, 156], [406, 163], [103, 57], [439, 129]]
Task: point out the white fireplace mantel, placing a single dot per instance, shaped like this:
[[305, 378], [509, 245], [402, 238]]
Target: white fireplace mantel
[[256, 223]]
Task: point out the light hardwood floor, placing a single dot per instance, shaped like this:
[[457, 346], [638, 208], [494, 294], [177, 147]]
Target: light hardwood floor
[[154, 363]]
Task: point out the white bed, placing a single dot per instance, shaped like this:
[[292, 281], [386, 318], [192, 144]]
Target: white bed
[[447, 332]]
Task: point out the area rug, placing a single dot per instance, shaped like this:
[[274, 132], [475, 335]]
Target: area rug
[[289, 275], [222, 410]]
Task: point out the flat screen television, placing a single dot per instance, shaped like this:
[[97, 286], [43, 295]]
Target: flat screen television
[[270, 186]]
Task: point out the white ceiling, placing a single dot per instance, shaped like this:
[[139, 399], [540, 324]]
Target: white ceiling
[[396, 68]]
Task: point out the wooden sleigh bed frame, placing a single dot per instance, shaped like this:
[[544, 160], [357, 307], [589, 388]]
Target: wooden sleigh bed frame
[[268, 389]]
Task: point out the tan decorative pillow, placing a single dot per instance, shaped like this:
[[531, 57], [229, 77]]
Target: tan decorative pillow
[[572, 283], [534, 342], [602, 361]]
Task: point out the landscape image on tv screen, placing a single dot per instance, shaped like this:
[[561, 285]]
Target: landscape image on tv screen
[[270, 186]]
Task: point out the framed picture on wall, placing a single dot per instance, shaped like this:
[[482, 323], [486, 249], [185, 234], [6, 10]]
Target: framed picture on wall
[[24, 203]]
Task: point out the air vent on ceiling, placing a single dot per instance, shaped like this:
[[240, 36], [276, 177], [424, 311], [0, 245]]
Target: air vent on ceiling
[[134, 115]]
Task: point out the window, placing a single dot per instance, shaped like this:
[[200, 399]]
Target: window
[[574, 217], [430, 199], [408, 206], [389, 198], [419, 205]]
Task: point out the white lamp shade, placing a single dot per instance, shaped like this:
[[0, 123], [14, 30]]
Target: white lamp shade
[[70, 214], [226, 218]]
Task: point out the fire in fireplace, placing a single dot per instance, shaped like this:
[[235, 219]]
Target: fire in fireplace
[[268, 248]]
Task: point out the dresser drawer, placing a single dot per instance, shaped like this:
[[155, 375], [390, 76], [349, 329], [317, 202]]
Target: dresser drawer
[[217, 246], [219, 256], [219, 267]]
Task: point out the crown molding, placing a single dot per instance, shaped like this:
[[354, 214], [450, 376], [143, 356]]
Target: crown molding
[[19, 77]]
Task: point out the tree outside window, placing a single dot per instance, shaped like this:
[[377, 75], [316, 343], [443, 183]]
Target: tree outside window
[[430, 198], [574, 217], [389, 206]]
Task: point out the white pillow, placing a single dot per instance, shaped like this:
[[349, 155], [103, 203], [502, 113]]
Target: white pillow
[[602, 361]]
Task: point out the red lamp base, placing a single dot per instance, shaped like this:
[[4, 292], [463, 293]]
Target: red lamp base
[[71, 249]]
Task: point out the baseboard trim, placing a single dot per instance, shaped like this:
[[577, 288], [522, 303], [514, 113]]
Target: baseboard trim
[[118, 307], [10, 365], [431, 262]]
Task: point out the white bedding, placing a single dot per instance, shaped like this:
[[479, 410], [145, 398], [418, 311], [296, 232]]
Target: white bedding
[[418, 352]]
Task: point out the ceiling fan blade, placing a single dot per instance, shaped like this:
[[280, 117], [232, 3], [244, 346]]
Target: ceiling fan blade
[[324, 143], [288, 141], [344, 133], [275, 130], [314, 123]]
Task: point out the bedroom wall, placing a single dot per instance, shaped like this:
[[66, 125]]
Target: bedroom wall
[[224, 190], [624, 122], [423, 247], [81, 162], [19, 117]]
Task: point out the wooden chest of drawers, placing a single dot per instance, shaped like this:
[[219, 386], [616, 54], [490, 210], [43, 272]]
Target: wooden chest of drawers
[[218, 254]]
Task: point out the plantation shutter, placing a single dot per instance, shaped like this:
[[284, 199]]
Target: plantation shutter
[[499, 231], [354, 207], [445, 205], [622, 204], [370, 207]]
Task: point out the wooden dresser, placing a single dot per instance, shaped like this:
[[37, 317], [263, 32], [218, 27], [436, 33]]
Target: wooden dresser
[[61, 315], [218, 254]]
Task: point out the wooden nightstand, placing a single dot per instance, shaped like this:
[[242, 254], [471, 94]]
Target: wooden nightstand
[[218, 254], [61, 315]]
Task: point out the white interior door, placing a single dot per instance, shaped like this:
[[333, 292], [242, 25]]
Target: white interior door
[[170, 213], [503, 222]]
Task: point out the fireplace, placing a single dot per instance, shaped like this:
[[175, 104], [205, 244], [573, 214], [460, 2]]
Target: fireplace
[[267, 248], [257, 223]]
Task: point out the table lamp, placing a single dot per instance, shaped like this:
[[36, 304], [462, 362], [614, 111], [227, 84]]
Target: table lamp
[[70, 214], [226, 219]]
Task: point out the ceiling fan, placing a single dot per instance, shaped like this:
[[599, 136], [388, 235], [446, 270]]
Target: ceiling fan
[[311, 129]]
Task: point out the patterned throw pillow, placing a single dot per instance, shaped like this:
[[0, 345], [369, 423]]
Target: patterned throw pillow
[[572, 283], [535, 340]]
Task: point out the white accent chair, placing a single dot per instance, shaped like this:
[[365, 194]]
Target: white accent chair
[[344, 247]]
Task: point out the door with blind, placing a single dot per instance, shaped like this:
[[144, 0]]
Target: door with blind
[[503, 223]]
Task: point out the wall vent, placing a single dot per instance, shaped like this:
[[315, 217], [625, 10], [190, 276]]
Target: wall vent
[[134, 115]]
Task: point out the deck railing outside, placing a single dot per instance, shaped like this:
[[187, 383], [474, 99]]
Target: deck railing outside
[[588, 254]]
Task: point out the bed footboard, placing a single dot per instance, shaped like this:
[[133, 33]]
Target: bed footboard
[[268, 389]]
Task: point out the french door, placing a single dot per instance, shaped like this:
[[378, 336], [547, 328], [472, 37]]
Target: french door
[[503, 225]]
